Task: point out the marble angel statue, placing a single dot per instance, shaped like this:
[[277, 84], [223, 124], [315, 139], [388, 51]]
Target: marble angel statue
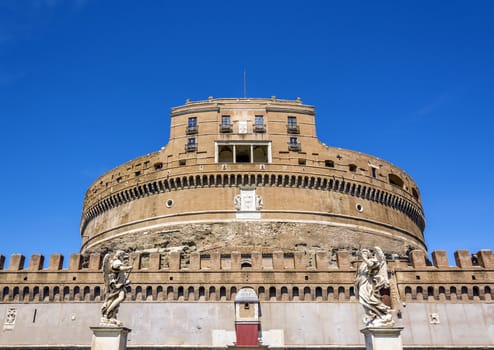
[[116, 275], [372, 276]]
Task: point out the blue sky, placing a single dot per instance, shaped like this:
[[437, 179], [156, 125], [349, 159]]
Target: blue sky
[[86, 85]]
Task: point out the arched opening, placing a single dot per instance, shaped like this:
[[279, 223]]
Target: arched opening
[[307, 293], [159, 293], [395, 180], [284, 293], [318, 293], [46, 293], [261, 293], [191, 294], [330, 293], [212, 293], [222, 293], [233, 293], [138, 294], [272, 293], [169, 293], [56, 294], [295, 292], [25, 294]]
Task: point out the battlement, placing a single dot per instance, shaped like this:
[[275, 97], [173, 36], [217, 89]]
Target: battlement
[[303, 275], [278, 260]]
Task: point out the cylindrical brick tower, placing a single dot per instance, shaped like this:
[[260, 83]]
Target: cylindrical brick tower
[[250, 174]]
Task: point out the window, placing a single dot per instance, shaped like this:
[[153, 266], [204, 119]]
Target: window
[[329, 163], [352, 168], [226, 125], [395, 180], [192, 122], [243, 152], [192, 125], [373, 172], [260, 153], [292, 126], [191, 144], [259, 124], [292, 122], [293, 145]]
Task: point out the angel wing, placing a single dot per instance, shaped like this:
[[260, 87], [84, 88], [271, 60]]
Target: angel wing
[[107, 271], [382, 275]]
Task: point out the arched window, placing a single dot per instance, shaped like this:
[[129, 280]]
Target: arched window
[[284, 293], [223, 293], [318, 292], [395, 180], [169, 293], [487, 290], [5, 294], [272, 293], [341, 293], [159, 293], [25, 294], [138, 295], [191, 293], [295, 292], [56, 294], [149, 293]]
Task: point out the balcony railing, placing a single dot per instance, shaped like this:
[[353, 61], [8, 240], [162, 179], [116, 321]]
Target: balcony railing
[[226, 128], [295, 147], [191, 147], [293, 129], [259, 128], [191, 130]]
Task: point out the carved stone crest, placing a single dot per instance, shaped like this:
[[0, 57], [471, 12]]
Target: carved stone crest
[[10, 317]]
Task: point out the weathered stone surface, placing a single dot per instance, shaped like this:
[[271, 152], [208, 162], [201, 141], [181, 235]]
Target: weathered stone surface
[[249, 236]]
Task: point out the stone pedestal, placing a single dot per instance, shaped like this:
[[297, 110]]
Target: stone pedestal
[[382, 338], [109, 338]]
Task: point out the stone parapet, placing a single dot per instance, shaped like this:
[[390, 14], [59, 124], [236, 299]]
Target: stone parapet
[[279, 276]]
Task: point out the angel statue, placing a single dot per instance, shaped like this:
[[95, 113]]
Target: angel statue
[[372, 276], [116, 273]]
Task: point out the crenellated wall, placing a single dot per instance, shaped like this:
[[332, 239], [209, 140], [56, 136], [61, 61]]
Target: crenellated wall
[[278, 276]]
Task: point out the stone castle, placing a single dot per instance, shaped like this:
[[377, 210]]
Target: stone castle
[[245, 206]]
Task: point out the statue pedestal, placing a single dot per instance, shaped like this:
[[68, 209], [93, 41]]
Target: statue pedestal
[[382, 338], [109, 338]]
